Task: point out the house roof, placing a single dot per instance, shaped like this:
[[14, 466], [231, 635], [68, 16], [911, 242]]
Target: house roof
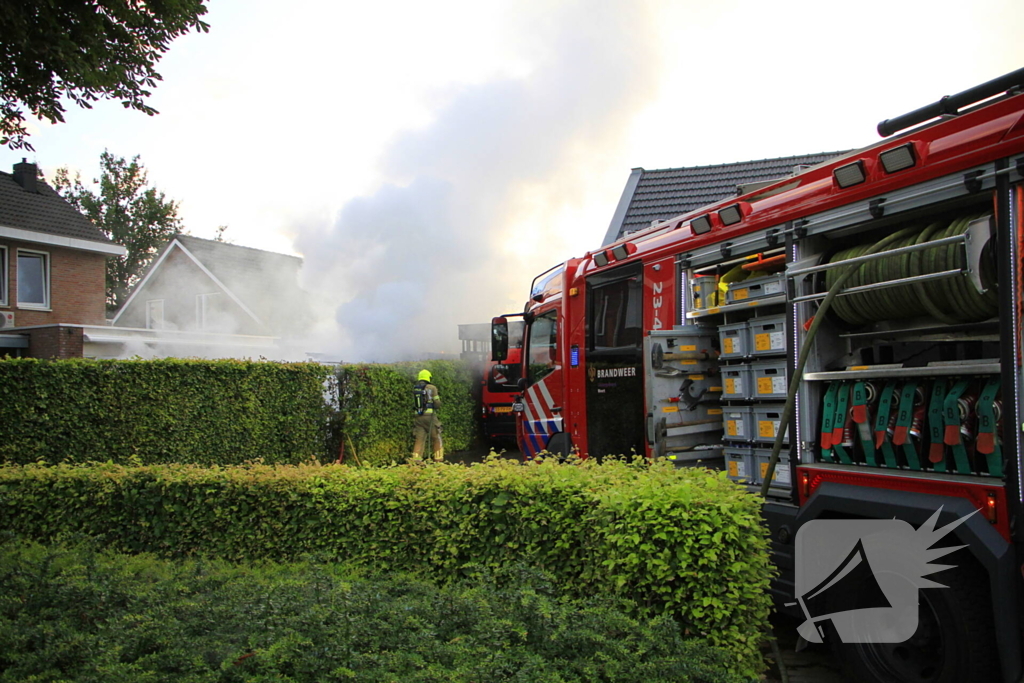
[[264, 283], [661, 194], [43, 211], [237, 266]]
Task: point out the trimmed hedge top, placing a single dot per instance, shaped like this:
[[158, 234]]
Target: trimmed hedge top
[[153, 411], [686, 542], [220, 412]]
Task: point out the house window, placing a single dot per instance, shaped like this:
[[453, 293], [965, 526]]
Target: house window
[[155, 314], [33, 279], [209, 310], [3, 276]]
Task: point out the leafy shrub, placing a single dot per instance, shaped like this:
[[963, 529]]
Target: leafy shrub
[[189, 411], [74, 614], [683, 542], [376, 408]]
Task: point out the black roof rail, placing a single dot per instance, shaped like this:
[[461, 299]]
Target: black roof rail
[[951, 104]]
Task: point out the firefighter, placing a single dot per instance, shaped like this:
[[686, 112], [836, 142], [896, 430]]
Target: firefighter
[[426, 426]]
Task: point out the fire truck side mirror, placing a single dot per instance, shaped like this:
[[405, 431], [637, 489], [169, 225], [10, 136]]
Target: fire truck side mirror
[[521, 384], [499, 339]]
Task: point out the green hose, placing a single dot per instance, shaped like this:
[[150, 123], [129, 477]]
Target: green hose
[[950, 300]]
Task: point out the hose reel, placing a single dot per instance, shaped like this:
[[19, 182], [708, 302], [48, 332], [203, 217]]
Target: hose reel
[[953, 281]]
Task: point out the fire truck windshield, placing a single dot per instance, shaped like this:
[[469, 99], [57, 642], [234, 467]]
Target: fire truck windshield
[[543, 346], [547, 283]]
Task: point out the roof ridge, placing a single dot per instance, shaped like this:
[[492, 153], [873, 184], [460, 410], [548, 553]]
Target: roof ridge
[[232, 245], [743, 163]]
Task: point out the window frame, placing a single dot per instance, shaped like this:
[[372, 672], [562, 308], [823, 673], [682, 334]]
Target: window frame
[[202, 306], [4, 277], [628, 300], [31, 305], [149, 317]]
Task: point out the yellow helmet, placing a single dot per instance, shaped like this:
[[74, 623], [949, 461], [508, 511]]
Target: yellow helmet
[[424, 375]]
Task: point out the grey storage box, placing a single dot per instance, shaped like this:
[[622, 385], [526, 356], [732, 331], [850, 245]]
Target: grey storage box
[[738, 423], [782, 478], [768, 380], [739, 464], [736, 384], [734, 340], [767, 421], [768, 336], [754, 288]]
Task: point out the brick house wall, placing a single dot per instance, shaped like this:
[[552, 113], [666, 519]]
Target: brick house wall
[[77, 286], [56, 341]]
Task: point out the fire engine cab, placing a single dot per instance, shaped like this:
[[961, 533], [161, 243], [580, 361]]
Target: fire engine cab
[[846, 342]]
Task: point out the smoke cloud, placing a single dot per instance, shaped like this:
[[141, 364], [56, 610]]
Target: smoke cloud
[[460, 226]]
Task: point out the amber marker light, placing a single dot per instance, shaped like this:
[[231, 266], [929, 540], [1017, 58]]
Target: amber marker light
[[990, 507]]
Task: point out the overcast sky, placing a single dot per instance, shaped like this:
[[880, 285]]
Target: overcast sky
[[428, 159]]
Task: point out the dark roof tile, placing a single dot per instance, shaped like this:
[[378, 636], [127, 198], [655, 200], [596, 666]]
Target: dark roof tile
[[43, 211], [662, 194]]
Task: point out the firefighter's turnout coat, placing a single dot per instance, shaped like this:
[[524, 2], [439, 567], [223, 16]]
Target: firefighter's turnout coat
[[426, 426]]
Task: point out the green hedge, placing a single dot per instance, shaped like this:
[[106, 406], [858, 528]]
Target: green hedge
[[376, 408], [687, 542], [135, 411], [144, 619]]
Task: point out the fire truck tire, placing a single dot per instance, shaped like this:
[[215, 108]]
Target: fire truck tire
[[560, 444], [954, 643]]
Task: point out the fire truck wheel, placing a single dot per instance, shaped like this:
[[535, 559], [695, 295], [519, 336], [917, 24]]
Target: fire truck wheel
[[954, 642]]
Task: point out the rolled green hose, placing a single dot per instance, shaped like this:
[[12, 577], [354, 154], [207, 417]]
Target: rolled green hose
[[949, 300]]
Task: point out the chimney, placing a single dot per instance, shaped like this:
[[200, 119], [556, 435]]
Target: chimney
[[25, 175]]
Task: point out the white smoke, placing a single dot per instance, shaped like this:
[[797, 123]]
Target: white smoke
[[452, 236]]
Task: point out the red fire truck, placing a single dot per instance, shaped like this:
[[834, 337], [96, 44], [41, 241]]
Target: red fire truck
[[498, 388], [846, 342], [500, 385]]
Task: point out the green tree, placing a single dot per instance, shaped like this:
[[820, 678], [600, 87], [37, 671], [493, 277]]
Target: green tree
[[83, 50], [126, 210]]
